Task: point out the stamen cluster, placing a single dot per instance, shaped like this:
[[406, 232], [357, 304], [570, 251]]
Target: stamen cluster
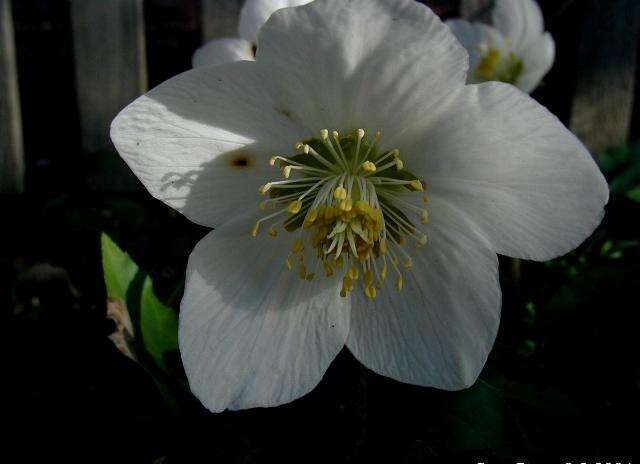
[[499, 65], [346, 202]]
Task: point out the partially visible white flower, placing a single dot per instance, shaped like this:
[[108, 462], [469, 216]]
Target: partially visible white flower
[[515, 49], [316, 165], [253, 15]]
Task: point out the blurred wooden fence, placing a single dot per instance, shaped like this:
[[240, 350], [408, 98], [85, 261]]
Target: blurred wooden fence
[[111, 69]]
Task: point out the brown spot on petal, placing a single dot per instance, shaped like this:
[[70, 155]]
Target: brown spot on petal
[[284, 112], [240, 159]]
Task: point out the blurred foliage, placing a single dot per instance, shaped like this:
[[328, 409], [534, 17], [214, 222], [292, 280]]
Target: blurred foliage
[[621, 165]]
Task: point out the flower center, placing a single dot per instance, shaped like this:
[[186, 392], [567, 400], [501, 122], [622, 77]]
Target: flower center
[[347, 203], [500, 65]]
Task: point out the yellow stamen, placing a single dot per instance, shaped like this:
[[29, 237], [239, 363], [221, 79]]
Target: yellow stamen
[[340, 193], [416, 184], [265, 188], [354, 272], [294, 207], [255, 229], [383, 246], [370, 291], [368, 277], [368, 166], [346, 205]]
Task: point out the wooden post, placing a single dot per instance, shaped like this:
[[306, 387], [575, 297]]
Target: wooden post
[[474, 10], [11, 149], [220, 18], [110, 64], [603, 100]]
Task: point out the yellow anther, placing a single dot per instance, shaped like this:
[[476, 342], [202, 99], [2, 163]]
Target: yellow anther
[[382, 246], [298, 146], [488, 64], [424, 217], [273, 232], [294, 207], [347, 284], [311, 216], [395, 153], [263, 205], [377, 135], [265, 188], [310, 276], [255, 229], [399, 164], [399, 283], [422, 241], [370, 291], [368, 277], [383, 271], [302, 271], [416, 184], [340, 193], [353, 272], [408, 263], [425, 199], [324, 134], [298, 245], [362, 206], [286, 171], [346, 205], [272, 160], [368, 166], [289, 263]]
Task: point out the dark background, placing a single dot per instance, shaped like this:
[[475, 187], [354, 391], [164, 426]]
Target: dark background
[[563, 380]]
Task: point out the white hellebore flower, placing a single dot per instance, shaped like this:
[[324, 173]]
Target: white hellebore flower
[[253, 15], [362, 107], [515, 50]]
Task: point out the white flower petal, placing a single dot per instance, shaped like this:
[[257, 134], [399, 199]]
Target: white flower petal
[[225, 50], [476, 37], [538, 59], [439, 330], [255, 13], [373, 64], [519, 20], [251, 332], [515, 170], [200, 142]]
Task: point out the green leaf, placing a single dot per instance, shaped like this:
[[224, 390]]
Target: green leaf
[[155, 325], [119, 269], [159, 324], [476, 419]]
